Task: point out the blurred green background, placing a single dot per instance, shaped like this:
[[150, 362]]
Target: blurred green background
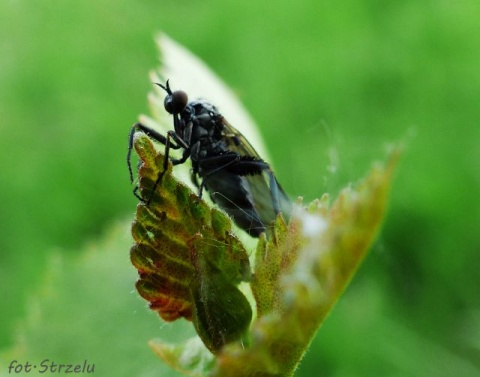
[[330, 85]]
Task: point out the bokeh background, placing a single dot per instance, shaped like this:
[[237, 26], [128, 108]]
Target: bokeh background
[[330, 85]]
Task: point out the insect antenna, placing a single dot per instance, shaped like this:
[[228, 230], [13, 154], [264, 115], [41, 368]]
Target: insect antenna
[[166, 87]]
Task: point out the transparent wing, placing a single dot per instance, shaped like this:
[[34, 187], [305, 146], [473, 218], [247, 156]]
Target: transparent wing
[[236, 142]]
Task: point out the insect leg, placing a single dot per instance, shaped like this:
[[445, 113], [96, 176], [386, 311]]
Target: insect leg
[[151, 133], [205, 164], [240, 165], [168, 144], [159, 138], [245, 166]]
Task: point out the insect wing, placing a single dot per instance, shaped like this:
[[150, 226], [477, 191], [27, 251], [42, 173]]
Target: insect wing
[[268, 197], [236, 142], [263, 190]]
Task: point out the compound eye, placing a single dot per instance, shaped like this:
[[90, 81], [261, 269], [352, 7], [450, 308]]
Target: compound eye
[[176, 102]]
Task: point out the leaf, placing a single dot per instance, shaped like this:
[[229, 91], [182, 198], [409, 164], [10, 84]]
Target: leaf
[[189, 261], [221, 312], [301, 273]]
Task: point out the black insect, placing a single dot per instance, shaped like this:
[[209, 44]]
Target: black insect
[[238, 180]]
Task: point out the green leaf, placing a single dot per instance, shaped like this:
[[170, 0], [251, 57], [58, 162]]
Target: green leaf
[[189, 261], [302, 271], [221, 312]]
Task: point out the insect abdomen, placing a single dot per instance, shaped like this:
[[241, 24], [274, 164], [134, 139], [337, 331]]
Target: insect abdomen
[[231, 192]]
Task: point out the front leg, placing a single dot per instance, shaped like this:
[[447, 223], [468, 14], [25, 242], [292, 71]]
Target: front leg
[[150, 133], [167, 142], [168, 145]]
